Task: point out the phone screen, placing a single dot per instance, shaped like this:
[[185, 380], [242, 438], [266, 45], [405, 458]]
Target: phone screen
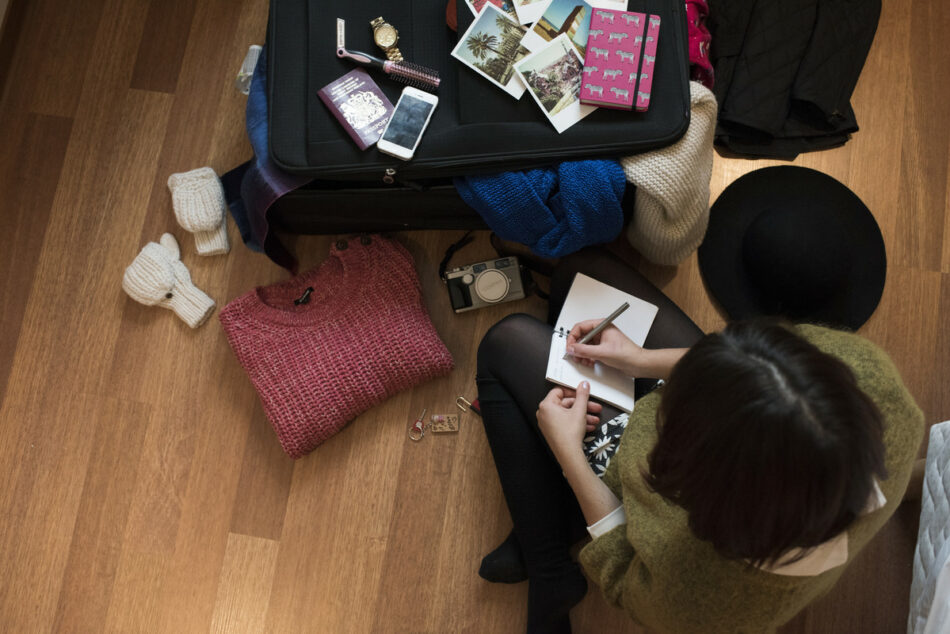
[[407, 121]]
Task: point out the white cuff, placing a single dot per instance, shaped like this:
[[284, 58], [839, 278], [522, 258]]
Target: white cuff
[[214, 242], [608, 522], [190, 303]]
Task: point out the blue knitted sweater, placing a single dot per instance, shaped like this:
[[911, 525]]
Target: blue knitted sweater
[[555, 210]]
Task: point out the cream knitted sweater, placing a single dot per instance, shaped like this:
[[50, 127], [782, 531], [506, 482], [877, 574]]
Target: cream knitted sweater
[[672, 205]]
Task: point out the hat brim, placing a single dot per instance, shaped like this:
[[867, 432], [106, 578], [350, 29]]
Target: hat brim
[[721, 253]]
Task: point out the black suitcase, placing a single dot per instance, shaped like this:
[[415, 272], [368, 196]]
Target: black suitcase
[[476, 128]]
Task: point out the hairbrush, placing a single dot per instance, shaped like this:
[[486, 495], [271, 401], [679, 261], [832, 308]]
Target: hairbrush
[[405, 72]]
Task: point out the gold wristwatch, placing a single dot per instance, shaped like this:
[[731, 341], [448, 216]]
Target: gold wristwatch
[[385, 35]]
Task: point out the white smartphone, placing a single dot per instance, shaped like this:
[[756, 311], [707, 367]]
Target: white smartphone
[[408, 122]]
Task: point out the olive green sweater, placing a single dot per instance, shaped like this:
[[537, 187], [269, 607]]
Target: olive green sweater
[[670, 581]]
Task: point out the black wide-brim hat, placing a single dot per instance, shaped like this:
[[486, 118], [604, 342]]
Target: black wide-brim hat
[[796, 243]]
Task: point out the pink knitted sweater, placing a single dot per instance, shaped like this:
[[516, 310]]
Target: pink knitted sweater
[[363, 336]]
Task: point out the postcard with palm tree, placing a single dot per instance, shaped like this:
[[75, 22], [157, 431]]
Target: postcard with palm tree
[[491, 47]]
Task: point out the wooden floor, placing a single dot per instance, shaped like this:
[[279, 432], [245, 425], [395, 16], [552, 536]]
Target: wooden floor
[[141, 488]]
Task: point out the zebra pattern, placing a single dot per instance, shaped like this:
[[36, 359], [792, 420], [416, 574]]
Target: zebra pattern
[[633, 44]]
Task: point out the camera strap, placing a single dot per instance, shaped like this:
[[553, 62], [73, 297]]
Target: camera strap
[[455, 246], [528, 262]]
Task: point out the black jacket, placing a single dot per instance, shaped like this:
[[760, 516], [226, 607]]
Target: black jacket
[[785, 71]]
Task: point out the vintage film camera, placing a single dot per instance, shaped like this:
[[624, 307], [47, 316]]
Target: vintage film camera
[[485, 284]]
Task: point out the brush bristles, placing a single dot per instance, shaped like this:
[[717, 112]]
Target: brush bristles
[[414, 75]]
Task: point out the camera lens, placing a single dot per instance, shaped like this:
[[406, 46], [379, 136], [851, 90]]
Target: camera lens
[[492, 286]]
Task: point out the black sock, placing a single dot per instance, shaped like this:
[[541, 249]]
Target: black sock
[[505, 564], [551, 595]]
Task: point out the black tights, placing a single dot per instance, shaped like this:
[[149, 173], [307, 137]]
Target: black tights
[[512, 360]]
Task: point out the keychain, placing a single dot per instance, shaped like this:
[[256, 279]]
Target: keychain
[[442, 423], [418, 429], [439, 423]]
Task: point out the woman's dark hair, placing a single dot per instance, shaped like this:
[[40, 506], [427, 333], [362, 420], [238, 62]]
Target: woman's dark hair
[[767, 442]]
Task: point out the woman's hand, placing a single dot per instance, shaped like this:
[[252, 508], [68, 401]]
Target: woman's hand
[[611, 347], [565, 416], [615, 349]]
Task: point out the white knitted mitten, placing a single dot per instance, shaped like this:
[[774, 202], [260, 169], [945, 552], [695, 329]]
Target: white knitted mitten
[[198, 198], [671, 210], [158, 278]]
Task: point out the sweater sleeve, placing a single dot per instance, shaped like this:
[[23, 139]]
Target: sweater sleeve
[[608, 560]]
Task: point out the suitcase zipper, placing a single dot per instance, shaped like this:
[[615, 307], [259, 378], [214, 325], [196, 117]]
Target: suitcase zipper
[[389, 177]]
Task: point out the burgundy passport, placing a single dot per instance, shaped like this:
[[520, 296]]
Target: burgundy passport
[[359, 105]]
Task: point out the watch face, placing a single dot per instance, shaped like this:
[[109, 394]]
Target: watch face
[[385, 35]]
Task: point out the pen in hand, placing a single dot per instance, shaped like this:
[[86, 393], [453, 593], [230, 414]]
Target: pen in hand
[[599, 328]]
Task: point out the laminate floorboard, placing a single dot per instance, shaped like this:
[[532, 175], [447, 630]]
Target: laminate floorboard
[[141, 487]]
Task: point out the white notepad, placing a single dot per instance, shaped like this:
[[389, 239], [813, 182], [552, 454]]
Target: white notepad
[[590, 299]]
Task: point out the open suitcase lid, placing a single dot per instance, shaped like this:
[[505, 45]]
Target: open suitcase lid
[[476, 128]]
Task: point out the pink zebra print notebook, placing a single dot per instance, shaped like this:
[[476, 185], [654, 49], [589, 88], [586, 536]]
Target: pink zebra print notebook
[[615, 42]]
